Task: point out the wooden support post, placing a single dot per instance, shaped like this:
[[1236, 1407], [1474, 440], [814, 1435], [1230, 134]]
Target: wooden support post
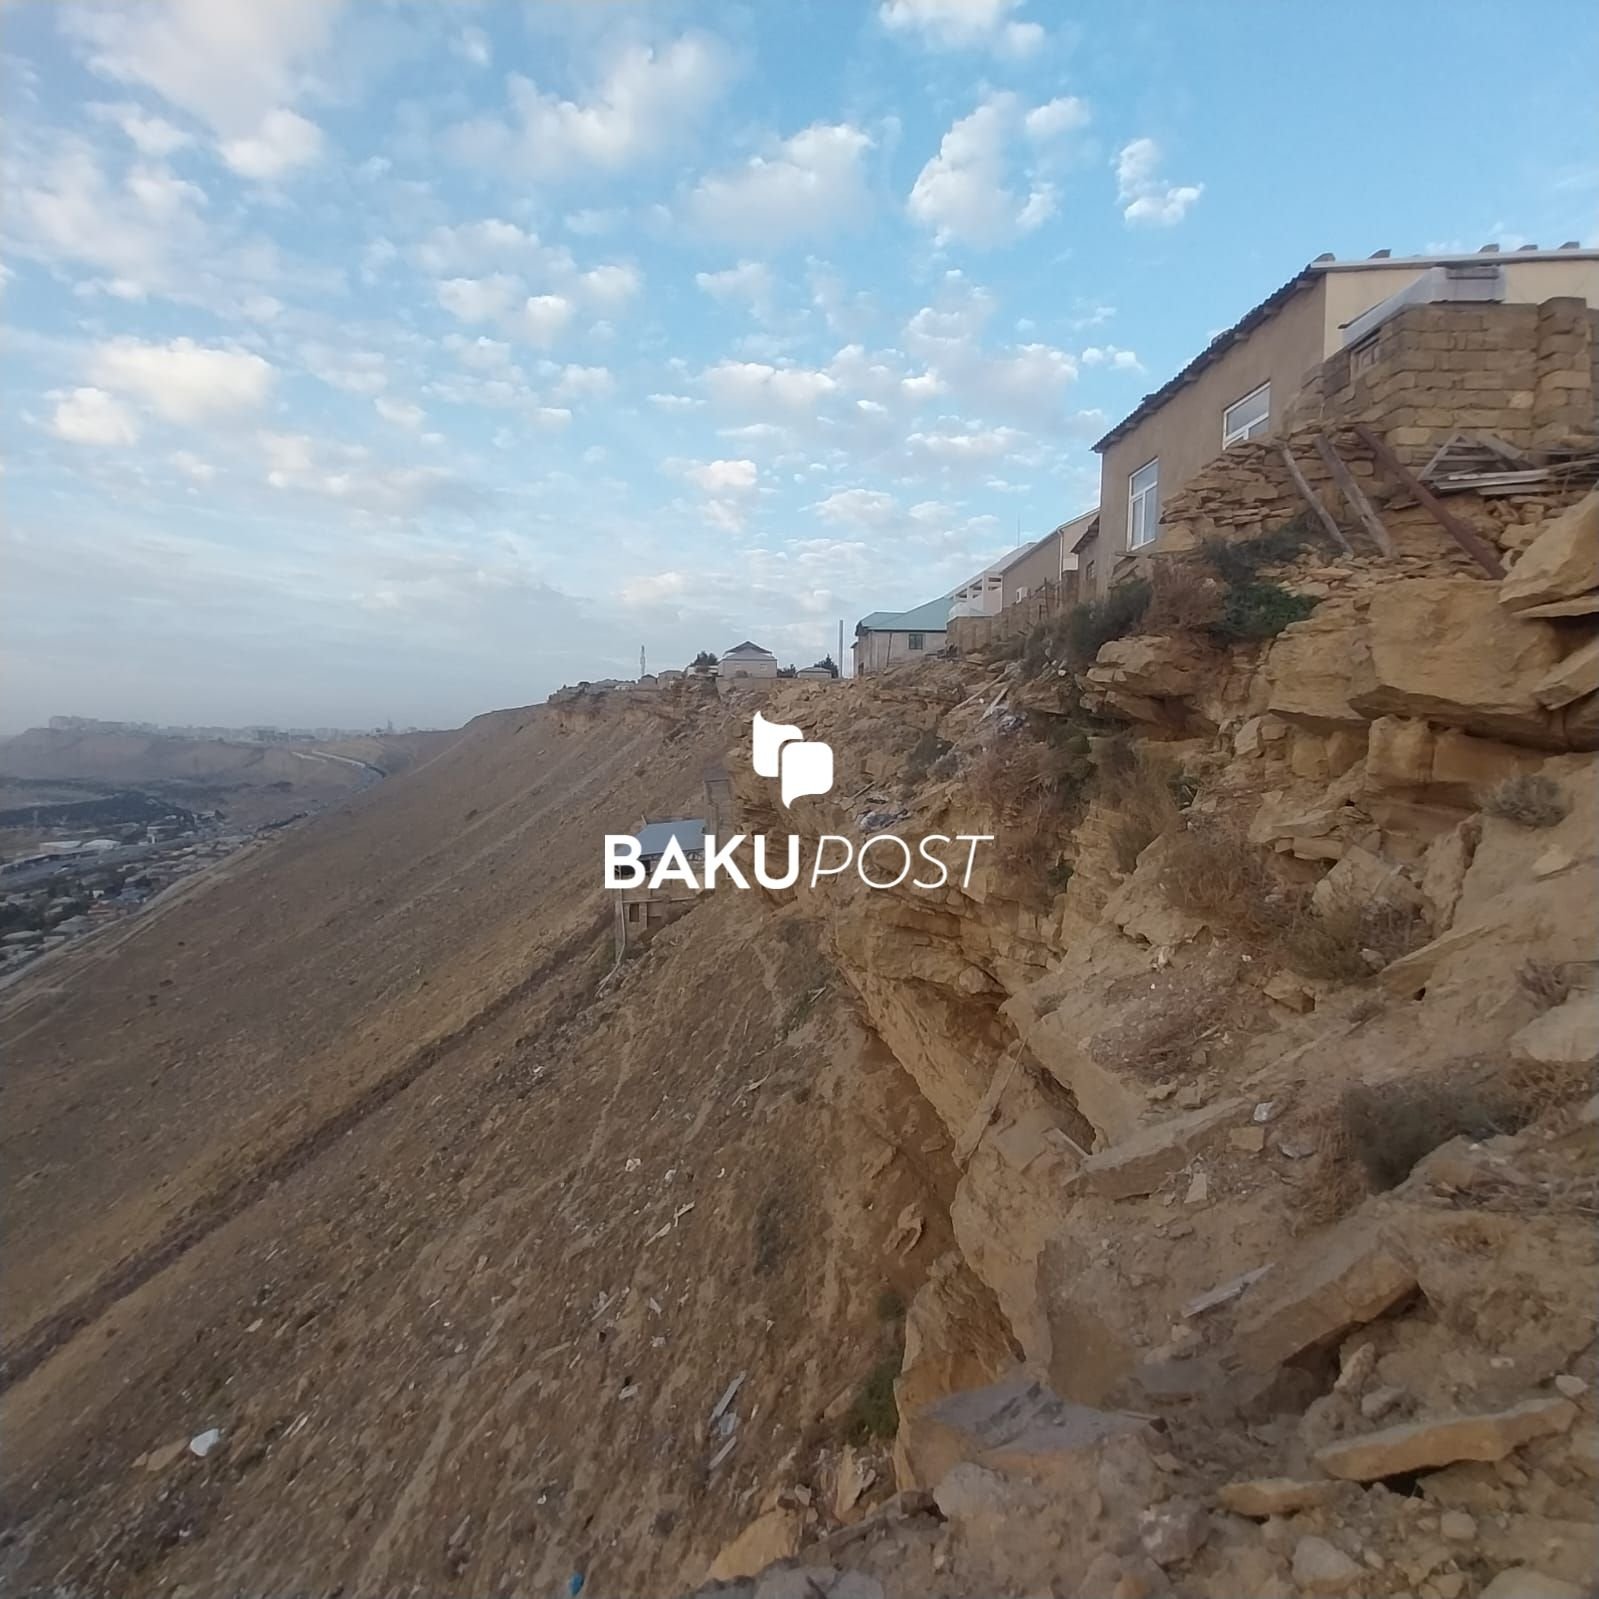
[[1473, 544], [1323, 515], [1351, 491]]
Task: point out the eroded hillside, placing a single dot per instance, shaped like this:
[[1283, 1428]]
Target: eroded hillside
[[1212, 1178]]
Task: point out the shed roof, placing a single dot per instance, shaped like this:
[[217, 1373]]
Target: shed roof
[[1302, 279], [931, 617], [689, 831]]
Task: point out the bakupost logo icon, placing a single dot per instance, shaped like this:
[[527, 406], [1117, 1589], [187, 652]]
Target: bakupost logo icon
[[683, 854], [800, 765]]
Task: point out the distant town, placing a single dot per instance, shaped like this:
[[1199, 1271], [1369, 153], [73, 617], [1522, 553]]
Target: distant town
[[238, 735]]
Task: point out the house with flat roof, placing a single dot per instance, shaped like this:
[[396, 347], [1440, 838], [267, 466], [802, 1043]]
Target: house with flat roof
[[892, 638], [1243, 383], [643, 911]]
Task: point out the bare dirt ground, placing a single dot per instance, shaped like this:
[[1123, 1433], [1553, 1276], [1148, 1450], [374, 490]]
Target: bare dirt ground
[[350, 1157]]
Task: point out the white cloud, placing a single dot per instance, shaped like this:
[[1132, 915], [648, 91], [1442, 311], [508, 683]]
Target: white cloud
[[91, 416], [750, 281], [1109, 355], [544, 318], [645, 100], [610, 286], [183, 381], [674, 402], [812, 183], [963, 193], [472, 45], [659, 588], [718, 478], [585, 383], [1028, 381], [751, 386], [192, 467], [345, 475], [963, 25], [152, 136], [478, 299], [284, 142], [1147, 199], [228, 65], [968, 445], [866, 508], [352, 371], [399, 412]]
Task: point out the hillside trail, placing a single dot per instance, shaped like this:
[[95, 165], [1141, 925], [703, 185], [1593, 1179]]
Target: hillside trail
[[350, 1162]]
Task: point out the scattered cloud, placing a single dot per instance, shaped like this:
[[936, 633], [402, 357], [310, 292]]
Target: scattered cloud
[[91, 416], [184, 382], [753, 387], [986, 187], [399, 413], [1108, 355], [472, 46], [810, 184], [1147, 199], [749, 281], [963, 25], [718, 478], [284, 142], [642, 102]]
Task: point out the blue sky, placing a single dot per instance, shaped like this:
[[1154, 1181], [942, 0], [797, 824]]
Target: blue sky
[[379, 360]]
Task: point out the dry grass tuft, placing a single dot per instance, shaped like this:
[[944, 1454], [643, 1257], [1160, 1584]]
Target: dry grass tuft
[[1141, 789], [1184, 598], [1034, 789], [1544, 983], [1211, 870], [1530, 799]]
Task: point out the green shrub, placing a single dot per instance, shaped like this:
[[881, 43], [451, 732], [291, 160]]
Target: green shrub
[[874, 1413], [1257, 609], [1096, 622]]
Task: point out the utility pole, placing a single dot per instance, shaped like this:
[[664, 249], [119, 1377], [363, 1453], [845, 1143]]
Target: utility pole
[[642, 669], [841, 646]]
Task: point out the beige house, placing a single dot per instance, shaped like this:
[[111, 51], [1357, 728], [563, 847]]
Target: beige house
[[747, 660], [892, 638], [1242, 384]]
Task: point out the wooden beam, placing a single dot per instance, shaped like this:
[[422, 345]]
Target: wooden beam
[[1324, 516], [1472, 543], [1352, 493]]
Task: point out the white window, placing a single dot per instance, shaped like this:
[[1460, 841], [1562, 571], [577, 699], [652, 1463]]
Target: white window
[[1244, 418], [1143, 505]]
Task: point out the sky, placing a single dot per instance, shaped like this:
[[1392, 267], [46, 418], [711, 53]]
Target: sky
[[375, 360]]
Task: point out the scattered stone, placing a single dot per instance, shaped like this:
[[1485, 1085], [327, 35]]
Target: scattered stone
[[1290, 992], [1553, 861], [1321, 1567], [773, 1536], [1457, 1526], [728, 1395], [1560, 563], [1449, 1584], [1275, 1496], [1522, 1582], [204, 1442], [1420, 1445], [1141, 1162], [1174, 1532], [1222, 1292], [1249, 1139], [1355, 1367], [160, 1459], [1567, 1035], [1569, 679], [1571, 1387], [1198, 1189], [1353, 1279], [1380, 1401], [853, 1478], [1191, 1096]]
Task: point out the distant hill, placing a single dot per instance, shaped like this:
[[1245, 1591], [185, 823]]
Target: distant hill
[[252, 783]]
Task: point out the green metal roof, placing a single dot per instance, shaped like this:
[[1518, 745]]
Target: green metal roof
[[933, 617]]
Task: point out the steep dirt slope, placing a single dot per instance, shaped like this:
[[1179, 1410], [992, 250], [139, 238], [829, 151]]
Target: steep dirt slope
[[352, 1160]]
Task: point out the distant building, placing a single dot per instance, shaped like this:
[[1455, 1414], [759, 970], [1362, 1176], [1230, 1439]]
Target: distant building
[[747, 660], [643, 911], [817, 673], [891, 638]]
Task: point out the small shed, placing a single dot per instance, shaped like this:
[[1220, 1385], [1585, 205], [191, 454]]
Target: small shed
[[643, 911]]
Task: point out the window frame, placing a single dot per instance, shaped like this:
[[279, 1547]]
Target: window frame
[[1232, 436], [1135, 499], [914, 641]]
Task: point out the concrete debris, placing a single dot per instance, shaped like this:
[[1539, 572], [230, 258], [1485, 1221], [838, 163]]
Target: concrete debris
[[728, 1395]]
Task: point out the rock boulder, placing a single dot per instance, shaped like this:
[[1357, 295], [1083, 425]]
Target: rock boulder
[[1562, 563]]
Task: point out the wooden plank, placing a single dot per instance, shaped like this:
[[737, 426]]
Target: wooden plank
[[1323, 515], [1351, 491], [1472, 543]]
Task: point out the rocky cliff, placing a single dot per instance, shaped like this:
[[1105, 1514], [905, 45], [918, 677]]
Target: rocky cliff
[[1200, 1199]]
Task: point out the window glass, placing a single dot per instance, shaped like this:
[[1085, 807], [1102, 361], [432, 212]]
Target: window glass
[[1143, 505], [916, 641], [1244, 418]]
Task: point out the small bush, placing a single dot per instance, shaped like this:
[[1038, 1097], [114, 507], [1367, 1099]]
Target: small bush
[[1096, 622], [1530, 799], [1184, 598], [927, 750], [874, 1413], [1058, 878], [946, 766], [1238, 561], [1544, 983], [1258, 610]]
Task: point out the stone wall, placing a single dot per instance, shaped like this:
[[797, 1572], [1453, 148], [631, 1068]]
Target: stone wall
[[975, 635], [1522, 372]]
